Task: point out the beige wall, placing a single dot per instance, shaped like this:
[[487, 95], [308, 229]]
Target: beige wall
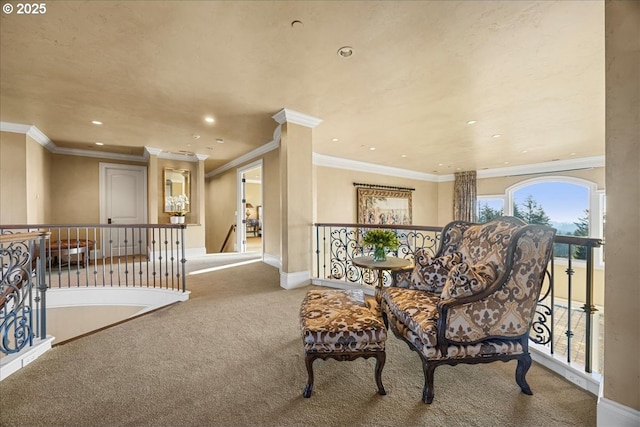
[[271, 203], [296, 195], [75, 188], [220, 193], [336, 196], [38, 166], [622, 277], [445, 203], [13, 178]]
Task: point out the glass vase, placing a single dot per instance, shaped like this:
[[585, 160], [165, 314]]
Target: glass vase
[[379, 254]]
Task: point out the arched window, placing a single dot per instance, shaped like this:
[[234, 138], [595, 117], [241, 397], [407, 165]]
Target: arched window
[[573, 206]]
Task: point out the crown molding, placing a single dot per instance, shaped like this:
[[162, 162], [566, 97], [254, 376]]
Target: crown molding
[[545, 167], [178, 157], [340, 163], [290, 116], [42, 139], [534, 168], [152, 150], [14, 127], [263, 149], [29, 130], [99, 154]]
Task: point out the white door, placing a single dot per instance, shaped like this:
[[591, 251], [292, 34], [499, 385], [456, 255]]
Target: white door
[[123, 200]]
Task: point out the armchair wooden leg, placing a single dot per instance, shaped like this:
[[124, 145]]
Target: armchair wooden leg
[[385, 320], [427, 391], [381, 357], [524, 363]]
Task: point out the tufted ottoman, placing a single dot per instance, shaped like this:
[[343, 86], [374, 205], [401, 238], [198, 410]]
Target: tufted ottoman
[[338, 324]]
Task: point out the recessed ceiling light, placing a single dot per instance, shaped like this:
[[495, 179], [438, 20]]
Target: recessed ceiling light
[[96, 122], [220, 141], [297, 24], [345, 51], [506, 163], [196, 137], [335, 140], [458, 169], [188, 145], [471, 122], [572, 154], [524, 151], [372, 149], [99, 143], [440, 164], [497, 135], [209, 119], [403, 156]]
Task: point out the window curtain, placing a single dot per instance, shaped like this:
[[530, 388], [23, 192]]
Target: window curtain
[[464, 196]]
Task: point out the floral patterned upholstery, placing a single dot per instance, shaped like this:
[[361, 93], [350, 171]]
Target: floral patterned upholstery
[[339, 320], [430, 273], [484, 308], [341, 325], [466, 280]]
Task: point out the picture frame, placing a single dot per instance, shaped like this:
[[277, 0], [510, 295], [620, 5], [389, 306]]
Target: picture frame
[[383, 206]]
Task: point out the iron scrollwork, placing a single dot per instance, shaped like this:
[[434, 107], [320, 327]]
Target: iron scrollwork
[[15, 293], [541, 332]]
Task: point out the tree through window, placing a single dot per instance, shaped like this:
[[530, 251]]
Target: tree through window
[[572, 206]]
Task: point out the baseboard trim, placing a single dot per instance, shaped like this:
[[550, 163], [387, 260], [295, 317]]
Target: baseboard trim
[[574, 372], [272, 260], [149, 298], [610, 414], [15, 362], [295, 280]]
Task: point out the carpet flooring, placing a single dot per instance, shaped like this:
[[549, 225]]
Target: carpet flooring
[[232, 356]]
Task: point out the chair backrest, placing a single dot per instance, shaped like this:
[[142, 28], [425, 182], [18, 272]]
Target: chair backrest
[[508, 310], [480, 243]]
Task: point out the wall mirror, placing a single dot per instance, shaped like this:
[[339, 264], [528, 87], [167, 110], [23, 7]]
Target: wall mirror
[[177, 190]]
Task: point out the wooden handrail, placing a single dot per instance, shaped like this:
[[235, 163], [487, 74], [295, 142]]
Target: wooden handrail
[[226, 239]]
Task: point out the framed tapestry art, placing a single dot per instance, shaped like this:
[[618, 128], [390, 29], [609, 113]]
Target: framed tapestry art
[[382, 206]]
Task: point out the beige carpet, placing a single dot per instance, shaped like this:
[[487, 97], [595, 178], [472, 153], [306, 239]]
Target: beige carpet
[[232, 356]]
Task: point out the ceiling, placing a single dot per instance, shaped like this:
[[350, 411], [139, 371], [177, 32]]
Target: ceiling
[[151, 71]]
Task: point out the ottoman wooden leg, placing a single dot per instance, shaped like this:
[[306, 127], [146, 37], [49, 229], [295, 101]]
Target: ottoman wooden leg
[[381, 357], [308, 361]]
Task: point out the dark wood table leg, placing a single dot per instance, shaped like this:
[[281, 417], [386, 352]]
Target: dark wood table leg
[[308, 360]]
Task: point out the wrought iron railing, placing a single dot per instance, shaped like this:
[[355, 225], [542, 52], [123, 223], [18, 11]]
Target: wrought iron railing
[[567, 324], [112, 255], [338, 244], [22, 291], [578, 339]]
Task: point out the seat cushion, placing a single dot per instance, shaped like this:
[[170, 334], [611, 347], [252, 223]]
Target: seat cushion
[[418, 310], [340, 320]]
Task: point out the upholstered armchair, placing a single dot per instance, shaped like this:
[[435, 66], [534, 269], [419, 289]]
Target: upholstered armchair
[[474, 301]]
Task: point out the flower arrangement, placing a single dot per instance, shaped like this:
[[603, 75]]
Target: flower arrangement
[[178, 204], [381, 240]]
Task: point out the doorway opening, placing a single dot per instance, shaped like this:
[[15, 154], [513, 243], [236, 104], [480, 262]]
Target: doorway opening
[[250, 213]]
